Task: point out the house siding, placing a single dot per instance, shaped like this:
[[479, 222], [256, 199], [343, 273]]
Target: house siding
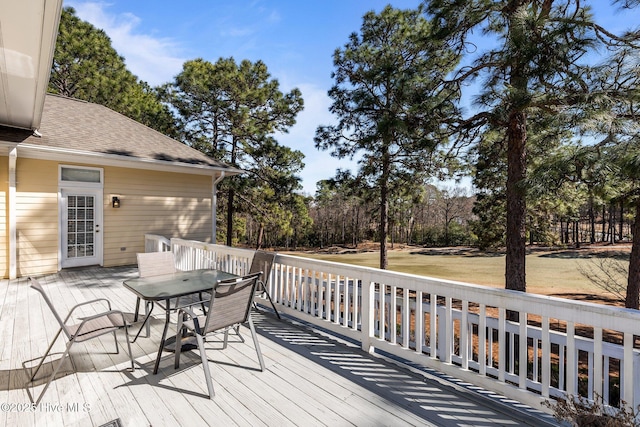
[[36, 217], [164, 203]]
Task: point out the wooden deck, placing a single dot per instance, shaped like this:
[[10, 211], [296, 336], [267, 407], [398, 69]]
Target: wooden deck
[[311, 377]]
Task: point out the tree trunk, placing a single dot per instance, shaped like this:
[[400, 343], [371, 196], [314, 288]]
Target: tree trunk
[[516, 203], [621, 220], [355, 226], [230, 217], [392, 233], [592, 221], [633, 281], [260, 236], [446, 228], [612, 226], [604, 218], [384, 207], [230, 212]]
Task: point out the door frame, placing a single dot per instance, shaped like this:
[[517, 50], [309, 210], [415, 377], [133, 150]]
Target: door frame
[[67, 187]]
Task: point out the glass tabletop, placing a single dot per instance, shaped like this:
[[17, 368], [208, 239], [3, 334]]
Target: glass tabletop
[[177, 284]]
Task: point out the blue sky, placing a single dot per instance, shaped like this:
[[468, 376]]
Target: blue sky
[[294, 38]]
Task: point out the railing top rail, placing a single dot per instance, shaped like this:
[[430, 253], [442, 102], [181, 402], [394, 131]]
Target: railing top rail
[[597, 315], [608, 317], [213, 247], [157, 238]]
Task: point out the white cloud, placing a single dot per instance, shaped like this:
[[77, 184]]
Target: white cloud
[[155, 60]]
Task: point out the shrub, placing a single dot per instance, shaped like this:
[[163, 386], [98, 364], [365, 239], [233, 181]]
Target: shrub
[[581, 412]]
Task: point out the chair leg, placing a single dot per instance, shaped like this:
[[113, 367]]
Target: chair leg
[[255, 343], [148, 308], [46, 353], [135, 316], [236, 329], [204, 310], [205, 366], [126, 337], [115, 338], [55, 371], [179, 335], [145, 322], [272, 304], [226, 338]]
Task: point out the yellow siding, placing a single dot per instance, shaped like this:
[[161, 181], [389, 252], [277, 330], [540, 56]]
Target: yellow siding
[[4, 214], [168, 204], [36, 216]]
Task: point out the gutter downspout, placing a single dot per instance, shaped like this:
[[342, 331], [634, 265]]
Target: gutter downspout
[[214, 205], [13, 250]]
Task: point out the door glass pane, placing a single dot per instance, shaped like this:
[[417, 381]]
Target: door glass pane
[[80, 226]]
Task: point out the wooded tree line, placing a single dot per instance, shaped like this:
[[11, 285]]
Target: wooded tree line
[[541, 113], [430, 217]]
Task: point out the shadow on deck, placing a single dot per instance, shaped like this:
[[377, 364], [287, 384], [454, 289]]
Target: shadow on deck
[[311, 378]]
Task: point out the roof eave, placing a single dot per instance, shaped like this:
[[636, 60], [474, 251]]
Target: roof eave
[[100, 159], [25, 62]]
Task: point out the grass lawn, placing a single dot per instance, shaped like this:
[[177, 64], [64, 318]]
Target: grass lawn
[[549, 272]]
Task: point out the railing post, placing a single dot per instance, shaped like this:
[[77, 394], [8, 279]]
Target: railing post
[[523, 352], [447, 331], [502, 347], [636, 372], [482, 340], [419, 317], [368, 301], [464, 338], [546, 357], [628, 376], [597, 362], [434, 334]]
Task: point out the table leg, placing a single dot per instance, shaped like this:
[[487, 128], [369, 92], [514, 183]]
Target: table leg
[[164, 335], [145, 322]]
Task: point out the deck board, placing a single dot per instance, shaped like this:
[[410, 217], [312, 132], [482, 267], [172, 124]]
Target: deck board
[[310, 378]]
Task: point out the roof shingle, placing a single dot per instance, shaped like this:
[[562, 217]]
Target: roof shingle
[[73, 124]]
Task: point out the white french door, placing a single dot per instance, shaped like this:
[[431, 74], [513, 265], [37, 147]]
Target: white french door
[[81, 228]]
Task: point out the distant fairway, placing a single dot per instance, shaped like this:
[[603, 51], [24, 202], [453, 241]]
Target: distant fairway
[[548, 272]]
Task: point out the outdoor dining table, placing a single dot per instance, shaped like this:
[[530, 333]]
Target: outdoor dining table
[[166, 287]]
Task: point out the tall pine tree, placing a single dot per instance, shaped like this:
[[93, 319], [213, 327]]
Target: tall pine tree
[[540, 60], [389, 102]]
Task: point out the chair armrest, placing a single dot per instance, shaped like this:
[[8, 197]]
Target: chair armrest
[[188, 312], [192, 304], [99, 315], [87, 303], [193, 317]]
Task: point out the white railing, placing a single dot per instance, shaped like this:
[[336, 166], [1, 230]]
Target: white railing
[[572, 348], [155, 243]]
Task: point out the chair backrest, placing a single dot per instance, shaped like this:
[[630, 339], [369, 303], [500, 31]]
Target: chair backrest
[[230, 302], [38, 287], [262, 262], [156, 263]]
